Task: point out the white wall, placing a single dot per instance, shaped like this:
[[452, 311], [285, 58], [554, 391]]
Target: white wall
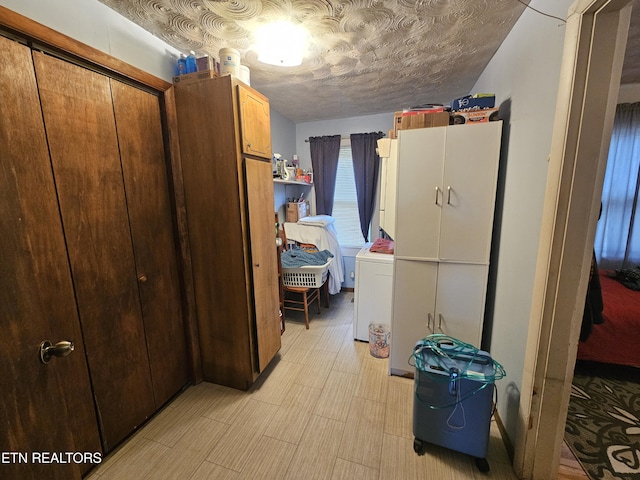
[[524, 74], [283, 141], [629, 93], [93, 24]]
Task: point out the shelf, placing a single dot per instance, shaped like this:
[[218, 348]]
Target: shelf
[[291, 182]]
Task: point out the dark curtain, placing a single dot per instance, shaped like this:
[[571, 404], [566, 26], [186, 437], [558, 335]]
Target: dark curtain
[[366, 165], [324, 161]]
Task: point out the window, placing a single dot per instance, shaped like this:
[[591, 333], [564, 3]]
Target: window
[[345, 201]]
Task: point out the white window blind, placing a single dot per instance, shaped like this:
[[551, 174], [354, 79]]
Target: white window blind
[[345, 201]]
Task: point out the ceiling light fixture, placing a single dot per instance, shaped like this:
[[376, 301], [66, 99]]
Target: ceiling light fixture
[[281, 43]]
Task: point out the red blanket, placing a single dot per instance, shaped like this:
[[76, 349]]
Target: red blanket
[[617, 339]]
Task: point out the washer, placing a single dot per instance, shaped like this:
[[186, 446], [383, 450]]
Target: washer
[[373, 291]]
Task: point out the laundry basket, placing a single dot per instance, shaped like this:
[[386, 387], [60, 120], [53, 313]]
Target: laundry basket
[[312, 276]]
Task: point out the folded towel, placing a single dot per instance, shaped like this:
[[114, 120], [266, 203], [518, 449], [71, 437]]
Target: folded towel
[[319, 220], [381, 245]]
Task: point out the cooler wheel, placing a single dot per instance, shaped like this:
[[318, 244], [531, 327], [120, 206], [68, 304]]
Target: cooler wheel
[[418, 446], [482, 464]]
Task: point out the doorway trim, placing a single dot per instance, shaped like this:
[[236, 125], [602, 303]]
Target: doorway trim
[[595, 42]]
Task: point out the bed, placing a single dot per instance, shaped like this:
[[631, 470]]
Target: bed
[[320, 231], [616, 340]]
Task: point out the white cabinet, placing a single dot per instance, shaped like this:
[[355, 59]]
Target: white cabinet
[[446, 189], [388, 151], [373, 287], [460, 297], [435, 297], [414, 297]]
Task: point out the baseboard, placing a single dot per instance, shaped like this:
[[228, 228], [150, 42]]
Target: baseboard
[[505, 438]]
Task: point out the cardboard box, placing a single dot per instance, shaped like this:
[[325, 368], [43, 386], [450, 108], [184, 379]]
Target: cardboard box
[[424, 120], [397, 122], [206, 63], [194, 77], [477, 101], [297, 210], [474, 116]]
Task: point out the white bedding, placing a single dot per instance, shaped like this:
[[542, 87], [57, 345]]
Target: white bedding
[[324, 238]]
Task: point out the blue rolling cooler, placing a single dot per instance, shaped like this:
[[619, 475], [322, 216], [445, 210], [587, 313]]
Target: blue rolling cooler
[[453, 401]]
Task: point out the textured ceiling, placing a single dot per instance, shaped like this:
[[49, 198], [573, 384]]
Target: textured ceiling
[[365, 56]]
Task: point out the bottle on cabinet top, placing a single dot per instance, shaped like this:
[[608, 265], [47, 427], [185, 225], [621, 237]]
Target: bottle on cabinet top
[[191, 62], [181, 65]]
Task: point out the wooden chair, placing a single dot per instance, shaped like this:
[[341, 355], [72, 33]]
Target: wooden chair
[[299, 298]]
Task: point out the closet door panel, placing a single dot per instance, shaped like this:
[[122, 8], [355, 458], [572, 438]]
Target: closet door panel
[[263, 257], [419, 186], [44, 408], [79, 121], [469, 184], [460, 301], [414, 298], [140, 139]]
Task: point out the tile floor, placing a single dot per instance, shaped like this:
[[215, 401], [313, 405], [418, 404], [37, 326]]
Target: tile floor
[[324, 409]]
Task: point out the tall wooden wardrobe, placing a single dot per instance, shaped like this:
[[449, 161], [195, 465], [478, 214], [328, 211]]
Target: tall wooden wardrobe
[[225, 145], [446, 189], [87, 256]]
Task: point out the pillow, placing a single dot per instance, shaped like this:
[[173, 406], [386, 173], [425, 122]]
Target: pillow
[[317, 220]]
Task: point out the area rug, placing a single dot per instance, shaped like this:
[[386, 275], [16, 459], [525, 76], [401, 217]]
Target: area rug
[[603, 422]]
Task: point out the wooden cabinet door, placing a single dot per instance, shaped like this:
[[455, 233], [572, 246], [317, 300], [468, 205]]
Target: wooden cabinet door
[[140, 139], [414, 298], [262, 236], [44, 408], [460, 301], [80, 126], [255, 123], [469, 185], [419, 202]]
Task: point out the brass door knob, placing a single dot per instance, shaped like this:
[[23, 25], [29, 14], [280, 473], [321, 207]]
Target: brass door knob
[[60, 349]]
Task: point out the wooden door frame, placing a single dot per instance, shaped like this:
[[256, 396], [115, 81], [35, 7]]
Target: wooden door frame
[[75, 51], [595, 40]]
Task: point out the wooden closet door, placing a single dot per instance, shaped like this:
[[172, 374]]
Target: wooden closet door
[[262, 236], [44, 408], [145, 178], [80, 126]]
